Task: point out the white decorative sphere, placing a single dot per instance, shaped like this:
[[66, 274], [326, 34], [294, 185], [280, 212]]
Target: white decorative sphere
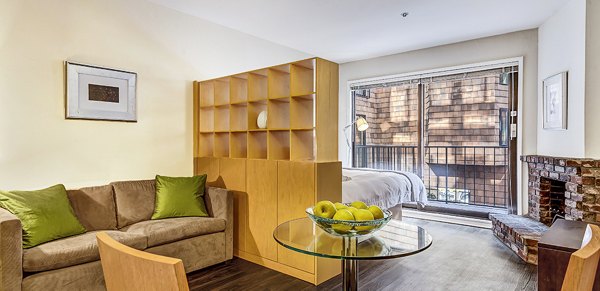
[[261, 121]]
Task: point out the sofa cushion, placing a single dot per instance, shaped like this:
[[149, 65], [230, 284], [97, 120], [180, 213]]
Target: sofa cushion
[[135, 201], [179, 197], [169, 230], [94, 207], [45, 214], [74, 250]]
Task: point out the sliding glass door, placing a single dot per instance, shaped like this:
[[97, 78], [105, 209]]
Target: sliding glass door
[[452, 129]]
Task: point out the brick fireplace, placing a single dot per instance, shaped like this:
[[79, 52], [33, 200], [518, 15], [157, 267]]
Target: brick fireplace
[[581, 179], [558, 187]]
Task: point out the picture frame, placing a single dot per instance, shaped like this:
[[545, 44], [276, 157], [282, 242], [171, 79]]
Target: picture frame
[[555, 102], [99, 93]]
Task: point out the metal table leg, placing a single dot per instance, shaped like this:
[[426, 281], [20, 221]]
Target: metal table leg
[[350, 274], [349, 266]]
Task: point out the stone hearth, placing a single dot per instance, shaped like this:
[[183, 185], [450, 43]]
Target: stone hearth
[[520, 233]]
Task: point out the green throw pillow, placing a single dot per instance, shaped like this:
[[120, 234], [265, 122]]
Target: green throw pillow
[[179, 197], [45, 214]]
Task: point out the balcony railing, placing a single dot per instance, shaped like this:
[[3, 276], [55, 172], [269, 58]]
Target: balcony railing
[[475, 175]]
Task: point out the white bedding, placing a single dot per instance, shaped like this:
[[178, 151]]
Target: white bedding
[[383, 188]]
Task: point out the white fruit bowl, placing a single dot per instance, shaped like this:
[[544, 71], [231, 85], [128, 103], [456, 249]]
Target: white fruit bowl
[[349, 228]]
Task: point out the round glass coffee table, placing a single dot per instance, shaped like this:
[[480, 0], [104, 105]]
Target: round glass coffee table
[[396, 239]]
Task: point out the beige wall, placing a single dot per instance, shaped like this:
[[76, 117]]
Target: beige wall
[[167, 49], [562, 48], [592, 80], [523, 43]]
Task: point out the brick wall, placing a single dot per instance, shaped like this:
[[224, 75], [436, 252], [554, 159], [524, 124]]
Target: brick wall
[[462, 112]]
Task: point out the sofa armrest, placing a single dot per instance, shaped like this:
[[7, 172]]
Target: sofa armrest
[[220, 205], [11, 251]]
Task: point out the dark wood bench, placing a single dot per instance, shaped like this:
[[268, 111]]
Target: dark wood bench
[[554, 250]]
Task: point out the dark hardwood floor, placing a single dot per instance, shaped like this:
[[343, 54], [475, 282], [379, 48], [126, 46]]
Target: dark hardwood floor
[[461, 258]]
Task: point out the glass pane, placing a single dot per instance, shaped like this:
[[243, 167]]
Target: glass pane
[[391, 142], [465, 158]]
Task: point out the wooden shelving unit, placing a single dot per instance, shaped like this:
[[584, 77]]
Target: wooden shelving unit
[[290, 164], [290, 96]]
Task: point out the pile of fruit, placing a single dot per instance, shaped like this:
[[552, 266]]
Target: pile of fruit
[[355, 211]]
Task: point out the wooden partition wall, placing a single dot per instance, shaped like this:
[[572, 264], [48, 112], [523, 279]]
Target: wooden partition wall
[[277, 171]]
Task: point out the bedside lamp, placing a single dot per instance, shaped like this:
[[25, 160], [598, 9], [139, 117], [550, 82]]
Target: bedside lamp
[[361, 125]]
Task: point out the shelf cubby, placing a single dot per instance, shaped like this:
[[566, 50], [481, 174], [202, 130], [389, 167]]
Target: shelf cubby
[[279, 113], [207, 119], [302, 80], [257, 85], [279, 145], [238, 89], [257, 145], [302, 147], [279, 82], [254, 108], [238, 117], [302, 112], [221, 144], [207, 94], [205, 144], [238, 145], [222, 118], [221, 91]]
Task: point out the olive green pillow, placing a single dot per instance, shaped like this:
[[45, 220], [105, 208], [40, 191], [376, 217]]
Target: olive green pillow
[[45, 214], [179, 197]]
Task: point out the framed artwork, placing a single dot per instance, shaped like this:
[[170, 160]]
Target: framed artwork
[[100, 93], [555, 101]]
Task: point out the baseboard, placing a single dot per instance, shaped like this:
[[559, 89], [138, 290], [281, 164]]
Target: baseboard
[[481, 223]]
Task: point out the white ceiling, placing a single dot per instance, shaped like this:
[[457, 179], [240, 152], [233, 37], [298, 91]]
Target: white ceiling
[[348, 30]]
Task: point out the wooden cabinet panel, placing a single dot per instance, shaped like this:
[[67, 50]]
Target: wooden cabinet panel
[[261, 186], [328, 179], [233, 174], [327, 110], [296, 189], [296, 192], [210, 167]]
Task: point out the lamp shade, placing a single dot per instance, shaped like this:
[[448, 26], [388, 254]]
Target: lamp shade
[[361, 124]]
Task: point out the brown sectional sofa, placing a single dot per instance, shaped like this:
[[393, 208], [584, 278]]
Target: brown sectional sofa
[[123, 210]]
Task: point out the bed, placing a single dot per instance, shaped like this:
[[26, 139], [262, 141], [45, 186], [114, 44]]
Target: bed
[[383, 188]]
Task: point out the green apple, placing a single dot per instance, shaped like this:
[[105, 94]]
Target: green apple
[[363, 215], [339, 206], [352, 209], [324, 209], [342, 214], [376, 211], [359, 205]]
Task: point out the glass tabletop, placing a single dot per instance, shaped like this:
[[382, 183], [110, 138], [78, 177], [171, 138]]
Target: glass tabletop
[[396, 239]]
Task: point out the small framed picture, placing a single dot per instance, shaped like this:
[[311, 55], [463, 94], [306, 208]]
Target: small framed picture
[[555, 101], [100, 93]]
